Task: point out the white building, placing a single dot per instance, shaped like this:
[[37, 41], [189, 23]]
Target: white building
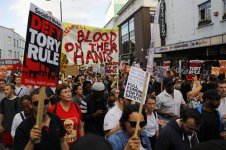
[[195, 29], [11, 44]]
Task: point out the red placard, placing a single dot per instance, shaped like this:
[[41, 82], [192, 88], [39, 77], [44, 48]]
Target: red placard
[[42, 49]]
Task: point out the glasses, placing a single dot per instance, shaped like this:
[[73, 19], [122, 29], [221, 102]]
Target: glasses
[[192, 129], [46, 101], [133, 124]]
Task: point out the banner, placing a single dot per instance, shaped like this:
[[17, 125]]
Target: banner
[[151, 52], [42, 49], [215, 71], [222, 66], [85, 45], [135, 85]]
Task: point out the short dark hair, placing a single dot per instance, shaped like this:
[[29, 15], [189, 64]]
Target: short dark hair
[[12, 86], [76, 85], [2, 80], [151, 97], [222, 82], [129, 109], [25, 97], [191, 113], [60, 88], [111, 94]]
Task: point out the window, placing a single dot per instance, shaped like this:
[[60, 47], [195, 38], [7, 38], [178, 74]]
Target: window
[[224, 7], [128, 36], [152, 16], [10, 53], [9, 40], [205, 13], [15, 56], [14, 43], [17, 43]]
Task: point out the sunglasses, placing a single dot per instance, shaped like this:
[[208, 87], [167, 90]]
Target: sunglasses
[[46, 101], [134, 123]]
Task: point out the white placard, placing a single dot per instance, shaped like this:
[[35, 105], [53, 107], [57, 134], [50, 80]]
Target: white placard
[[135, 85]]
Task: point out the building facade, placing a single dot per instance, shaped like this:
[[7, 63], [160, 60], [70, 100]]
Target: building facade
[[194, 29], [134, 21], [11, 44]]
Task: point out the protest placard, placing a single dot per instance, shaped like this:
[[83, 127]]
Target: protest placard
[[222, 66], [215, 71], [195, 66], [111, 68], [161, 74], [135, 84], [85, 45], [42, 49]]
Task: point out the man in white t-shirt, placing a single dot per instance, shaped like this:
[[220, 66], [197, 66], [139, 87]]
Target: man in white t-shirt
[[169, 102], [20, 90], [152, 127], [222, 108], [111, 119]]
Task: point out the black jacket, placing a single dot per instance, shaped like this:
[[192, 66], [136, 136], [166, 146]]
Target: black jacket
[[173, 138]]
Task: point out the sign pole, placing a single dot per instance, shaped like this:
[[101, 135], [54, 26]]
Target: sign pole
[[40, 110], [141, 103]]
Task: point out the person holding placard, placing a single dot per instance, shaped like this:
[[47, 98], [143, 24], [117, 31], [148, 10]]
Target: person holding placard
[[49, 136], [125, 138]]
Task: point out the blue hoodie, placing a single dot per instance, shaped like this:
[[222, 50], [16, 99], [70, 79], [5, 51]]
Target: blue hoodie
[[172, 137]]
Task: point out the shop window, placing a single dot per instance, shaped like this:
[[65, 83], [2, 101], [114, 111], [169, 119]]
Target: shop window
[[204, 13]]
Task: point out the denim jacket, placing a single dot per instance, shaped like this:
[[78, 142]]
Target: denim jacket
[[120, 139]]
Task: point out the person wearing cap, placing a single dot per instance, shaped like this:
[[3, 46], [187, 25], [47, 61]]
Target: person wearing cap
[[169, 102], [211, 127], [96, 109], [222, 108]]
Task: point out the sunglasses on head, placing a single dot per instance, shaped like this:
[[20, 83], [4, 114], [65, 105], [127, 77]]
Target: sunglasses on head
[[46, 101], [133, 124]]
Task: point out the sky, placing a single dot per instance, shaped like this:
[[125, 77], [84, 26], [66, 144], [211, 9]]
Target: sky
[[14, 13]]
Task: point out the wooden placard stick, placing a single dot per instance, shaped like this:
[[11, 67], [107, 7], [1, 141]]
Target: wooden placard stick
[[42, 97], [141, 103]]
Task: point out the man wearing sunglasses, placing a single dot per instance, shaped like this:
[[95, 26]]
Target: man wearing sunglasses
[[50, 136], [125, 138], [180, 134]]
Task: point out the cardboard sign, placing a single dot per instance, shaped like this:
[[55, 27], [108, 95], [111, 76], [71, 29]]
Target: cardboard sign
[[161, 74], [222, 66], [111, 68], [135, 85], [85, 45], [166, 64], [215, 71], [42, 49]]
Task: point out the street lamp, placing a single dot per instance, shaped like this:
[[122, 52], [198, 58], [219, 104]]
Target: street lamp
[[60, 10]]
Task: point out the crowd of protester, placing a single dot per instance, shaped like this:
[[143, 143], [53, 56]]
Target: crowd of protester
[[89, 111]]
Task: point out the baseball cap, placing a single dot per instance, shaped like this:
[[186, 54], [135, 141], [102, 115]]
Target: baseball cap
[[98, 86]]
